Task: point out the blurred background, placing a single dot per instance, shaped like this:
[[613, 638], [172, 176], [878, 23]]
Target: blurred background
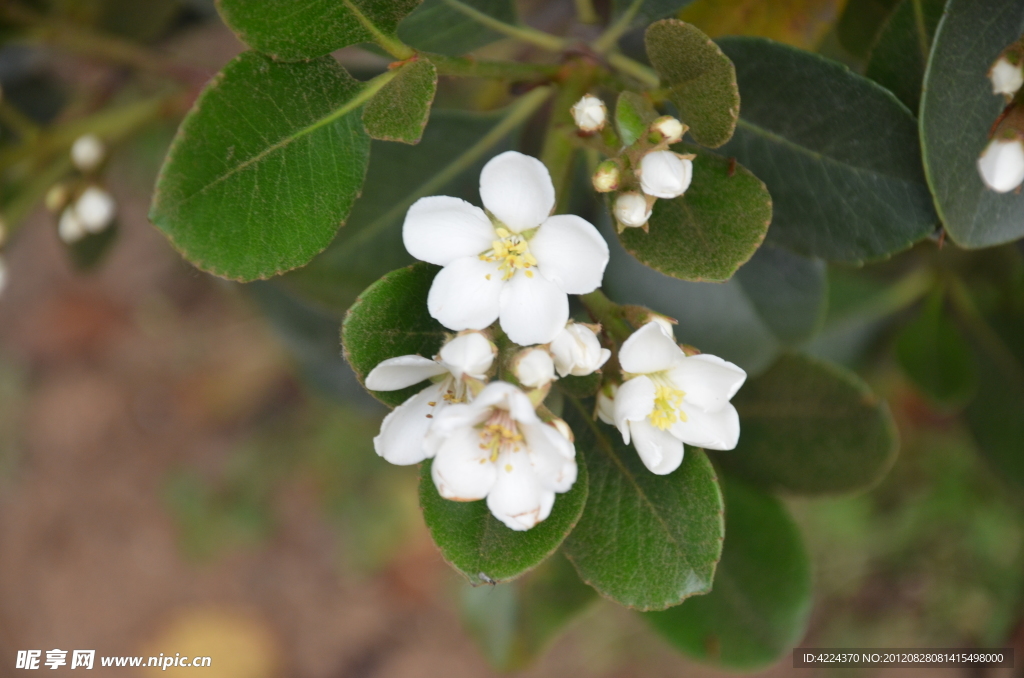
[[180, 474]]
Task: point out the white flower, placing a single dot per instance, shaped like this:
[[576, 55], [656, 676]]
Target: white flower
[[1002, 164], [670, 398], [606, 402], [467, 356], [670, 129], [577, 351], [88, 152], [70, 228], [496, 447], [631, 209], [589, 113], [534, 368], [520, 267], [663, 174], [95, 209], [1006, 77]]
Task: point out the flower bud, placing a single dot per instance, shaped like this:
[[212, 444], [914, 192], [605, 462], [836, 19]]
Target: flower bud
[[631, 209], [70, 228], [534, 368], [606, 402], [95, 209], [578, 351], [590, 114], [606, 178], [1007, 74], [1002, 164], [664, 174], [88, 152], [670, 129]]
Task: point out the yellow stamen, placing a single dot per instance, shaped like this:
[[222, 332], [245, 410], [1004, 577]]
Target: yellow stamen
[[668, 402], [500, 433], [513, 251]]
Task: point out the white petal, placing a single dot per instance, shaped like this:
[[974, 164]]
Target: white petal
[[95, 209], [633, 401], [440, 230], [659, 450], [708, 381], [552, 455], [461, 470], [534, 368], [533, 309], [649, 350], [631, 209], [664, 174], [88, 152], [507, 397], [571, 253], [470, 353], [518, 499], [396, 373], [1002, 165], [450, 419], [463, 297], [517, 189], [1006, 78], [402, 432], [711, 430], [606, 403]]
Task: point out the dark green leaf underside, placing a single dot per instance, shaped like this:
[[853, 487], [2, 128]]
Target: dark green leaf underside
[[900, 53], [788, 291]]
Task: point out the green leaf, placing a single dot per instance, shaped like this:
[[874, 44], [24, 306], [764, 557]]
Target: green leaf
[[399, 111], [481, 547], [265, 167], [514, 623], [646, 11], [709, 231], [645, 541], [900, 53], [839, 154], [957, 111], [787, 290], [701, 79], [860, 22], [390, 319], [634, 114], [581, 387], [936, 357], [760, 604], [293, 30], [809, 427], [437, 26]]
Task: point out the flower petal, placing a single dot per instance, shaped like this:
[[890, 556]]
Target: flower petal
[[461, 470], [711, 430], [571, 253], [660, 451], [397, 373], [470, 353], [402, 432], [708, 381], [533, 309], [440, 230], [517, 189], [552, 455], [633, 401], [463, 297], [518, 499], [649, 350]]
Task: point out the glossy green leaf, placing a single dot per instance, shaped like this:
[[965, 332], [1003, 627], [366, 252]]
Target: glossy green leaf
[[860, 23], [634, 114], [438, 25], [809, 427], [292, 30], [900, 53], [265, 167], [761, 600], [399, 111], [957, 111], [936, 357], [787, 290], [709, 231], [643, 12], [838, 152], [701, 79], [514, 623], [645, 541], [390, 319], [481, 547]]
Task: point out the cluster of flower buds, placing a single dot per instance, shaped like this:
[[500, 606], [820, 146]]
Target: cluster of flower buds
[[84, 208], [1001, 164]]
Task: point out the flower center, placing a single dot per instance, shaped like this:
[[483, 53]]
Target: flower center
[[513, 251], [668, 401], [500, 434]]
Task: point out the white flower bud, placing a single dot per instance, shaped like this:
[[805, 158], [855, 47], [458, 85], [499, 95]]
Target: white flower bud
[[631, 209], [578, 351], [670, 129], [534, 368], [88, 152], [1002, 164], [95, 209], [589, 113], [606, 403], [70, 228], [607, 177], [664, 174], [1006, 77]]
